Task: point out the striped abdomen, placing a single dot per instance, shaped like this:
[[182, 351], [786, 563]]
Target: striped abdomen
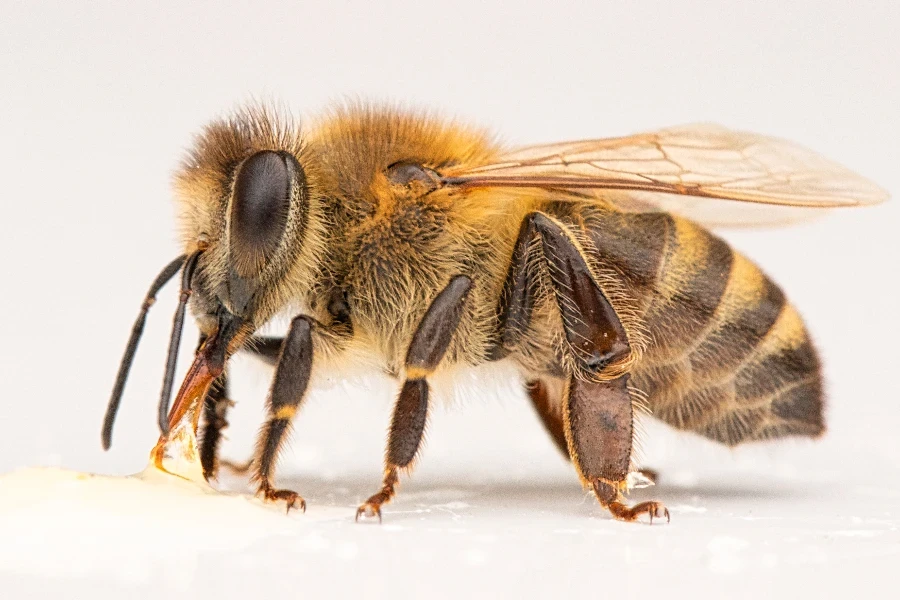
[[729, 357]]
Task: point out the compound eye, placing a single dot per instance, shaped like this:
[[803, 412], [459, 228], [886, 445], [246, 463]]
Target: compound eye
[[259, 209], [408, 174]]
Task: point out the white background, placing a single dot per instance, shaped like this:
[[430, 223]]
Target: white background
[[98, 102]]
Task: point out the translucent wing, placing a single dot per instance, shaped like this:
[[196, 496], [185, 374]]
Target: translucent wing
[[683, 169]]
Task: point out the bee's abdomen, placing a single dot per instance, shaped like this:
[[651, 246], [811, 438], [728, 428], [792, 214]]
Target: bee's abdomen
[[729, 357]]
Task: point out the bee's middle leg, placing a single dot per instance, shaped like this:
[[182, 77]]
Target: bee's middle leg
[[545, 398], [428, 346], [217, 404]]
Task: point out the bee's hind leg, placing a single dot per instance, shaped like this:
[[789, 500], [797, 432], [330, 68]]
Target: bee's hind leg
[[428, 346], [599, 418], [546, 397], [597, 408]]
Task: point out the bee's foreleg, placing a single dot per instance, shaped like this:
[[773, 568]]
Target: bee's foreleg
[[216, 407], [428, 346], [215, 413], [288, 391]]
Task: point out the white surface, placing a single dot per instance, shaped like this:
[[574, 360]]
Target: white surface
[[97, 104], [484, 537]]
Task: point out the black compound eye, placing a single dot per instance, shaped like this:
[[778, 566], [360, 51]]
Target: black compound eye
[[407, 173], [259, 209]]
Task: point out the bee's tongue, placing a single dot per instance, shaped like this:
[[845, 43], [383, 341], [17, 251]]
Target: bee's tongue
[[201, 375], [207, 366]]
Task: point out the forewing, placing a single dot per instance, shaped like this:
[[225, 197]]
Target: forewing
[[687, 170]]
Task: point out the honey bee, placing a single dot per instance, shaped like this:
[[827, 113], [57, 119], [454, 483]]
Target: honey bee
[[426, 246]]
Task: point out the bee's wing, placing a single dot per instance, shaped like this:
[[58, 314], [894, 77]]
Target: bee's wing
[[687, 170]]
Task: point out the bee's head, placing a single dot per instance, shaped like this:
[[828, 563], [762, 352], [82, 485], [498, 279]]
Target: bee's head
[[245, 204], [245, 196], [252, 243]]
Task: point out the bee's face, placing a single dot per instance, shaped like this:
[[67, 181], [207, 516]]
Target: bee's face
[[243, 198], [260, 225]]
